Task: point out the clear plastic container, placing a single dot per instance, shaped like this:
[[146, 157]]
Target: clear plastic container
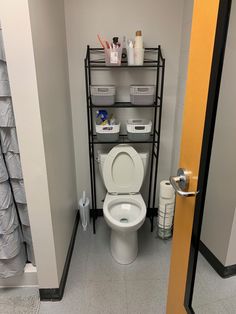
[[113, 56]]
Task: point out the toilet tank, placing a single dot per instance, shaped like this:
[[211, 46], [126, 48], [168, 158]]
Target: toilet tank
[[102, 157]]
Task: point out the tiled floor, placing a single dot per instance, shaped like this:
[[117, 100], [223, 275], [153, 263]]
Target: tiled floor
[[97, 284], [212, 294]]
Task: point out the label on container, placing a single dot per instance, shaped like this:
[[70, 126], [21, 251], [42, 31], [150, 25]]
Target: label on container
[[114, 57]]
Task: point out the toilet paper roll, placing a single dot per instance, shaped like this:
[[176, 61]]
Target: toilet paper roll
[[167, 209], [165, 222], [166, 189], [170, 202], [164, 233], [165, 215]]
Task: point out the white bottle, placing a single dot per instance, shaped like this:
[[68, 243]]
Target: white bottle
[[138, 40], [138, 49], [130, 52]]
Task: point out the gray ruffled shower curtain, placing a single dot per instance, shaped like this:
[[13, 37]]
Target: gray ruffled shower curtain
[[15, 236]]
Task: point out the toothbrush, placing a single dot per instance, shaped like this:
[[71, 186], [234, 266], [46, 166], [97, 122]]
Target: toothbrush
[[101, 42]]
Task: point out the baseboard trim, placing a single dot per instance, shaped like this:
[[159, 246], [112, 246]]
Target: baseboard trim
[[56, 294], [223, 271]]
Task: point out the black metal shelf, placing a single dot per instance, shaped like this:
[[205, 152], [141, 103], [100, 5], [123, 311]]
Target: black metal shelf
[[99, 63], [153, 59], [102, 65], [123, 139], [125, 105]]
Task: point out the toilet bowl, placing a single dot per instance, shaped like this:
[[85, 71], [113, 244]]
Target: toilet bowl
[[124, 209]]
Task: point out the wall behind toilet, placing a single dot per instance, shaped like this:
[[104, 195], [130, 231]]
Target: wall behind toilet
[[161, 23]]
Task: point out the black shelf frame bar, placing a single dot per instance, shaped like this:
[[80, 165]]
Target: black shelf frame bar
[[125, 105], [157, 64]]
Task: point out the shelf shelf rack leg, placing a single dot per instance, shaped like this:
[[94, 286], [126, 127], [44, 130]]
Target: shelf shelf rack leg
[[90, 134], [159, 129], [153, 146]]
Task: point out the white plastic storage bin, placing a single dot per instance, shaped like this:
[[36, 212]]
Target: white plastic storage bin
[[103, 94], [142, 94], [108, 133], [139, 129]]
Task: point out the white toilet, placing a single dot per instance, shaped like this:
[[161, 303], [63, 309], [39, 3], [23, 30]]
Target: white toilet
[[123, 170]]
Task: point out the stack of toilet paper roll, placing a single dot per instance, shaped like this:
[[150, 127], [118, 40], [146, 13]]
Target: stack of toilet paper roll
[[166, 209]]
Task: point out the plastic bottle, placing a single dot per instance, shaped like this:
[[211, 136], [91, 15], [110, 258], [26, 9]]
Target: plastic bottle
[[116, 41], [138, 49], [130, 52], [124, 50], [138, 40]]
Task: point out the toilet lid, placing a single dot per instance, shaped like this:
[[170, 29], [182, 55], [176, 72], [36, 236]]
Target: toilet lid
[[123, 170]]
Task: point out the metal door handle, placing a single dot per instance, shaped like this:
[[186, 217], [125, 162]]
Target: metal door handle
[[180, 183]]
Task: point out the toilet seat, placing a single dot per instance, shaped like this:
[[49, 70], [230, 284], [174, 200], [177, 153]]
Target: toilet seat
[[117, 208], [123, 171]]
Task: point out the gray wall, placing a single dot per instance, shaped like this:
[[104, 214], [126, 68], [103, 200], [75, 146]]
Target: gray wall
[[219, 221], [161, 23]]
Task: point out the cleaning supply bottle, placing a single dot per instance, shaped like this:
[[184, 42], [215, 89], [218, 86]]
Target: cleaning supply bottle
[[124, 51], [116, 41]]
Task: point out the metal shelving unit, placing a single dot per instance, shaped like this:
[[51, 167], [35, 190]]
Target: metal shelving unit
[[153, 60]]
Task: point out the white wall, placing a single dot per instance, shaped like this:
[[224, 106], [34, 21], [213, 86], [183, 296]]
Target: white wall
[[219, 220], [50, 52], [161, 22], [182, 77], [39, 85]]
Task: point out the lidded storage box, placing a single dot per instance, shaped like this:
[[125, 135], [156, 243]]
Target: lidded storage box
[[108, 133], [103, 94], [142, 94], [139, 129]]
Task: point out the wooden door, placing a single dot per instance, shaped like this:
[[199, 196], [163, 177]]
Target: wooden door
[[208, 36]]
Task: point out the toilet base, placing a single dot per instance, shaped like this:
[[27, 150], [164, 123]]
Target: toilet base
[[124, 246]]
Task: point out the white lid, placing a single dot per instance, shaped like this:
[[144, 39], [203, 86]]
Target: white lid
[[123, 170]]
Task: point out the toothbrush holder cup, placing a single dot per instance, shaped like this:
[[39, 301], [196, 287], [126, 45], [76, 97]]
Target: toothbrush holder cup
[[113, 56]]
